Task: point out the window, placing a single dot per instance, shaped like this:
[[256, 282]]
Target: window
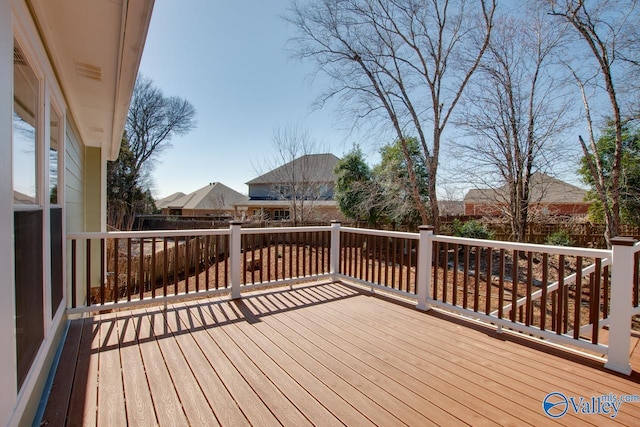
[[55, 135], [280, 215], [55, 210], [28, 215], [25, 119]]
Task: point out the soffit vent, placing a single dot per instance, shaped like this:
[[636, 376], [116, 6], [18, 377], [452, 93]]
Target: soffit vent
[[92, 72], [18, 57]]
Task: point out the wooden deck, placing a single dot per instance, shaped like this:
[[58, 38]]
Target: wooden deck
[[325, 354]]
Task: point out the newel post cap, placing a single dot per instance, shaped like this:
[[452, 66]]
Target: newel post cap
[[623, 241]]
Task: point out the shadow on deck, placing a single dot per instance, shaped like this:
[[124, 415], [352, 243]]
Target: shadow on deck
[[321, 354]]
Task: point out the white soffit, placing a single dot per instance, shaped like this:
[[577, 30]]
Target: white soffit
[[95, 48]]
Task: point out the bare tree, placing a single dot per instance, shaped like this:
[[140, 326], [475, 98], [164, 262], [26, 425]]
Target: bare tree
[[153, 119], [516, 110], [300, 173], [404, 63], [606, 31]]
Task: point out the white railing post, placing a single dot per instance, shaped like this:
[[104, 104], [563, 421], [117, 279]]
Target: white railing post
[[235, 254], [622, 260], [334, 268], [423, 274]]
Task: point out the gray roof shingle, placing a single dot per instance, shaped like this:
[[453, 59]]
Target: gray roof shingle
[[313, 167], [212, 196]]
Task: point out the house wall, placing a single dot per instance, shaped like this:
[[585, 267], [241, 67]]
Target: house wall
[[268, 192], [318, 214], [75, 201], [74, 181], [7, 313], [260, 192], [207, 212], [19, 404]]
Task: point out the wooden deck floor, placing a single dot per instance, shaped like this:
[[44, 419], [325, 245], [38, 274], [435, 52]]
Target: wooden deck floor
[[317, 355]]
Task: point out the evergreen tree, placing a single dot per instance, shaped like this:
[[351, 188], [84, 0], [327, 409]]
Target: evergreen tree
[[629, 188]]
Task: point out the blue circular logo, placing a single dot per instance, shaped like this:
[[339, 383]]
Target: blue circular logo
[[555, 404]]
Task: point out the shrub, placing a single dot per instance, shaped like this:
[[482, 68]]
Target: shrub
[[471, 229], [559, 238]]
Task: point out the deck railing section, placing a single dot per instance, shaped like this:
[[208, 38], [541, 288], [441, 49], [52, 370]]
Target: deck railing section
[[382, 259], [124, 267], [561, 294], [280, 255], [557, 293], [116, 269]]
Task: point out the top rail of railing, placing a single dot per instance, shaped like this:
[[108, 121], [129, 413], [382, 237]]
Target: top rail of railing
[[369, 232], [527, 247], [190, 233], [148, 234], [283, 230]]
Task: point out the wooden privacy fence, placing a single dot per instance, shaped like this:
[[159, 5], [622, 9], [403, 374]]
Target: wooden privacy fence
[[561, 294]]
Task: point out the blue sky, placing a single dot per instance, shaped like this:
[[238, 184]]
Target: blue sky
[[229, 59]]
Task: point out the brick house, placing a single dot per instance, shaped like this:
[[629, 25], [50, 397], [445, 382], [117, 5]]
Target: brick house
[[549, 196]]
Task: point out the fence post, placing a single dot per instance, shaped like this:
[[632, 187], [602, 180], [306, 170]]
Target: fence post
[[334, 268], [423, 274], [620, 312], [235, 254]]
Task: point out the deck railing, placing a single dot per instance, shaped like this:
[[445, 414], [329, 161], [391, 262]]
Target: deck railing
[[380, 259], [117, 269], [565, 295], [553, 292]]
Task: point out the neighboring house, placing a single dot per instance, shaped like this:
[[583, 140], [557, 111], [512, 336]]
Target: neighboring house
[[215, 200], [451, 207], [304, 185], [549, 196], [63, 105], [166, 201]]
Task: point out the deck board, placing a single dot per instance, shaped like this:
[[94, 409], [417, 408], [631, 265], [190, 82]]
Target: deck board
[[140, 410], [83, 406], [442, 391], [305, 402], [275, 400], [292, 359], [56, 412], [439, 367], [111, 407], [251, 405], [324, 355], [226, 410], [195, 405], [422, 411], [165, 398]]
